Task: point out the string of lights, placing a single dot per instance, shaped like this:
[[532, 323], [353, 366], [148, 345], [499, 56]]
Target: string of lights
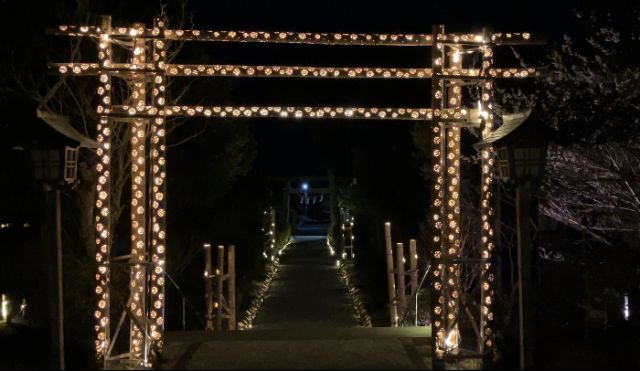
[[263, 291], [138, 301], [103, 199], [486, 210], [298, 112], [158, 200], [234, 70], [298, 37], [148, 119], [439, 151], [354, 294], [451, 228]]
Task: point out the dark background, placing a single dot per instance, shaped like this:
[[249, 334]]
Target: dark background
[[381, 155]]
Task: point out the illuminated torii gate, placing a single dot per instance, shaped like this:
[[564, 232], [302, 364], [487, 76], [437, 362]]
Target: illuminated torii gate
[[147, 113]]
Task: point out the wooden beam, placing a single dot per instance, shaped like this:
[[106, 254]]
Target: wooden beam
[[280, 71], [281, 37], [294, 112]]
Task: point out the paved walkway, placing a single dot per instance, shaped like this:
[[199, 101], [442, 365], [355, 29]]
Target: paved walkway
[[378, 348], [307, 291], [306, 323]]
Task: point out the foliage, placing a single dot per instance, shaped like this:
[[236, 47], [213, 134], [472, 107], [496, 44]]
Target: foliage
[[590, 95], [595, 190], [589, 89]]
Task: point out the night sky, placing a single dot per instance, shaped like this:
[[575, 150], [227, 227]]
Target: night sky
[[382, 155], [278, 139]]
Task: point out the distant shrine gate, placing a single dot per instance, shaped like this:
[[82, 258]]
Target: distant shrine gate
[[146, 73]]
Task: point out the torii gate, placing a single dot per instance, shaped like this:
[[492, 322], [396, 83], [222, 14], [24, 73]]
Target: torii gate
[[149, 109]]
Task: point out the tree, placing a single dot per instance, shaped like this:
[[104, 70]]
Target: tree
[[595, 190], [71, 100], [589, 95]]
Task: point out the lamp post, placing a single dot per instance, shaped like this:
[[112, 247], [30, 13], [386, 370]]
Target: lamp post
[[50, 172], [524, 166]]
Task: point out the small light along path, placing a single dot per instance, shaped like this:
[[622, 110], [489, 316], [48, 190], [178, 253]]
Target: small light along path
[[306, 322]]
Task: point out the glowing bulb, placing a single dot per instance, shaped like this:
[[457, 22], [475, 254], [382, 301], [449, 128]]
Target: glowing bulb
[[5, 309], [626, 312]]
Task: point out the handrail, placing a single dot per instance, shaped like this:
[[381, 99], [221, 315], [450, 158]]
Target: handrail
[[185, 300], [414, 297]]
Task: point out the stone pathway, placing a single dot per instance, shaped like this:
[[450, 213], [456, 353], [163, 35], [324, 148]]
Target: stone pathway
[[380, 348], [307, 291], [306, 323]]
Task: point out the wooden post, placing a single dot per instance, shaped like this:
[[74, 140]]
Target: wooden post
[[51, 239], [208, 287], [60, 311], [103, 199], [393, 306], [219, 283], [413, 265], [402, 291], [157, 200], [139, 242], [231, 287], [439, 152], [486, 212], [525, 290]]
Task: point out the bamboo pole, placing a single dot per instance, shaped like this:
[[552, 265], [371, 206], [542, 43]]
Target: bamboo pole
[[219, 283], [402, 290], [439, 152], [413, 265], [157, 200], [486, 212], [451, 274], [208, 287], [393, 306], [138, 342], [231, 287], [103, 201], [59, 286]]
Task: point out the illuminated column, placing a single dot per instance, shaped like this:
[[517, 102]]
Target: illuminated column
[[138, 287], [451, 273], [486, 210], [103, 194], [438, 151], [158, 190]]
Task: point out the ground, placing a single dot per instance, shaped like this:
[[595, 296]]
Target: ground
[[23, 347], [306, 323], [307, 292]]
